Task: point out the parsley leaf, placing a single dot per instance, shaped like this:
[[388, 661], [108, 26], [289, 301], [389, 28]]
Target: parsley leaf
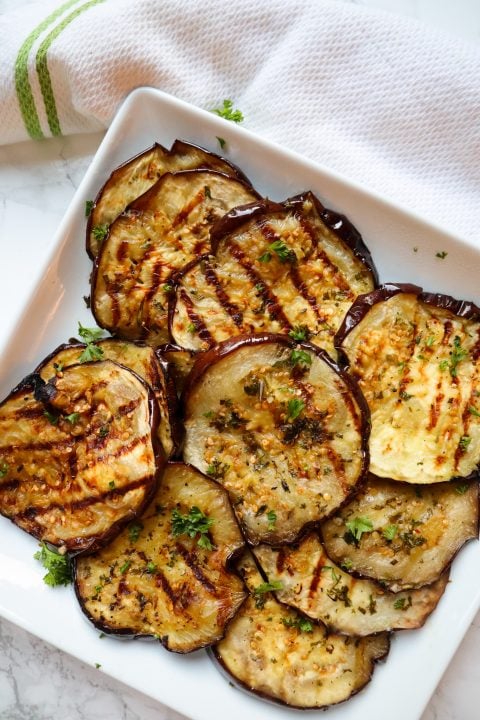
[[295, 407], [90, 336], [299, 333], [358, 526], [51, 417], [4, 468], [461, 489], [272, 519], [264, 588], [193, 524], [227, 112], [473, 411], [300, 623], [134, 530], [99, 232], [282, 251], [59, 566], [389, 532], [72, 418], [88, 207], [300, 357], [464, 442], [442, 254], [221, 141]]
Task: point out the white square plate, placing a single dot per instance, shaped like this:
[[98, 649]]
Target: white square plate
[[48, 315]]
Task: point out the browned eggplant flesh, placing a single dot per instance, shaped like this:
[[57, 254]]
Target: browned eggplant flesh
[[309, 581], [136, 176], [280, 428], [158, 234], [273, 651], [402, 535], [78, 454], [139, 358], [167, 574], [417, 359], [275, 268]]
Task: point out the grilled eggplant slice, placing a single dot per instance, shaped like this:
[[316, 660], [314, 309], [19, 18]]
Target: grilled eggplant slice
[[142, 360], [277, 267], [402, 535], [159, 233], [417, 359], [280, 427], [175, 587], [78, 455], [270, 650], [312, 583], [136, 176]]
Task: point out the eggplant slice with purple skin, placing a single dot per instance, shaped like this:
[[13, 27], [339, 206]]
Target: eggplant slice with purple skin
[[312, 583], [280, 427], [274, 652], [402, 535], [137, 175], [416, 357], [161, 577], [137, 357], [290, 267], [179, 363], [79, 455], [158, 234]]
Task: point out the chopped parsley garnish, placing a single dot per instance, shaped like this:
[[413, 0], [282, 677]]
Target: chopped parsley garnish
[[99, 232], [89, 336], [281, 250], [207, 192], [217, 469], [272, 519], [193, 524], [72, 418], [59, 566], [299, 333], [264, 588], [389, 532], [98, 665], [125, 566], [442, 254], [473, 411], [134, 530], [221, 141], [51, 417], [191, 328], [4, 468], [111, 484], [402, 603], [295, 407], [358, 526], [464, 442], [103, 432], [167, 288], [346, 564], [151, 567], [404, 395], [300, 623], [461, 489], [457, 355], [88, 207], [227, 112], [300, 357]]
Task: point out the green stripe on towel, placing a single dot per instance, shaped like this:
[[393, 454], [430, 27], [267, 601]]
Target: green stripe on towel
[[22, 83], [42, 67]]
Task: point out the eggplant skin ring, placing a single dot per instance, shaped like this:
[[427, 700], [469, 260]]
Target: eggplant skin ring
[[280, 427]]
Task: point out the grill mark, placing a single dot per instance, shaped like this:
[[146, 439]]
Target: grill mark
[[195, 319], [341, 282], [181, 216], [29, 412], [162, 582], [122, 251], [302, 289], [190, 560], [112, 288], [230, 308], [406, 379], [280, 560], [270, 300], [316, 575], [31, 512], [466, 419], [9, 485], [435, 407], [448, 328], [66, 442], [475, 351], [123, 450], [352, 407]]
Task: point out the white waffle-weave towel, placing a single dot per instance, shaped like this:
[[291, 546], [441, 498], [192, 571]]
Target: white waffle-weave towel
[[379, 98]]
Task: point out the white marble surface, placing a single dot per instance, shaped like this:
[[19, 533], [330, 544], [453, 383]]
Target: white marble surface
[[38, 682]]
